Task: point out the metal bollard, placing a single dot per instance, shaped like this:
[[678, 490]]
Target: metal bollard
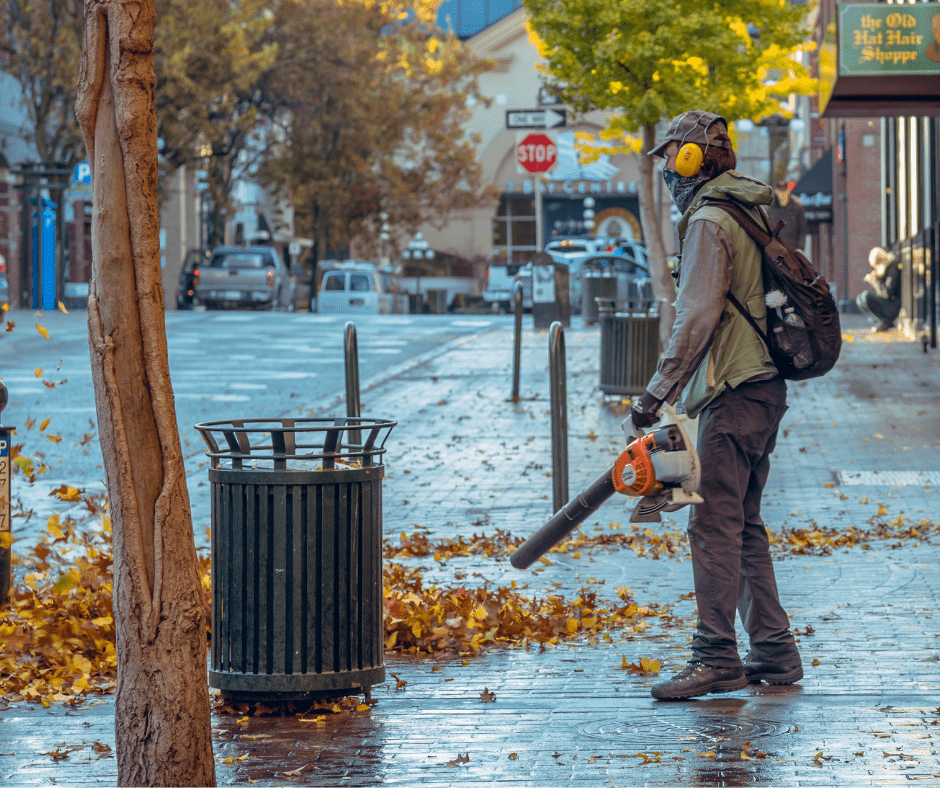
[[351, 357], [559, 414], [6, 532], [517, 343]]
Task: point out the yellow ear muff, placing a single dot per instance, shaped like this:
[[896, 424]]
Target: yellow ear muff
[[689, 160]]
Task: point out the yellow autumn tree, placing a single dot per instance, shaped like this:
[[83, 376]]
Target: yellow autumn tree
[[645, 61]]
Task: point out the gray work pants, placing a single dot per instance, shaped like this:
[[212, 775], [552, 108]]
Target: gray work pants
[[730, 548]]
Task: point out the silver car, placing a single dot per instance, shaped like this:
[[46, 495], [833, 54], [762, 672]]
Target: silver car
[[240, 276]]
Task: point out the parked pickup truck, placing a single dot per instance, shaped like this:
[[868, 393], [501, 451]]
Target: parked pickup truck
[[254, 276]]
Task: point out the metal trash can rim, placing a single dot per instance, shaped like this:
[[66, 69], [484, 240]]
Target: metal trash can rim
[[640, 307], [269, 444]]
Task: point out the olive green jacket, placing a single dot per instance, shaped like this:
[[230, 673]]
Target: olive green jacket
[[712, 346]]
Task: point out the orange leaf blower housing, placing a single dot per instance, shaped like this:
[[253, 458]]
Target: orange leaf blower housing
[[633, 472]]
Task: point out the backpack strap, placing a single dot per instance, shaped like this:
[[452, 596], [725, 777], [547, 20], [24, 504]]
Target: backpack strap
[[761, 237], [750, 319]]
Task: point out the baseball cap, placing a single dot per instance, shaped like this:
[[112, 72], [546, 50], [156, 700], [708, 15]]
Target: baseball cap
[[696, 126]]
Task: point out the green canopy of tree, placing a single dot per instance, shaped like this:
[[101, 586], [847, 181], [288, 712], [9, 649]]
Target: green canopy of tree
[[40, 48], [645, 61], [369, 104]]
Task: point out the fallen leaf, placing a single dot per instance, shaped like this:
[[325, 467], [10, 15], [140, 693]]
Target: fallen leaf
[[487, 697], [295, 772], [459, 759], [42, 330]]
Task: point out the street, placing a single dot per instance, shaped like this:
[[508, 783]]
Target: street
[[856, 466], [223, 365]]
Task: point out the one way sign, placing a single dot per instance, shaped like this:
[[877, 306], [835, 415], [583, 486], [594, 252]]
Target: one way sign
[[536, 118]]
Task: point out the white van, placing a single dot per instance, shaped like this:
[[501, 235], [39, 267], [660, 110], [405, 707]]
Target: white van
[[355, 288]]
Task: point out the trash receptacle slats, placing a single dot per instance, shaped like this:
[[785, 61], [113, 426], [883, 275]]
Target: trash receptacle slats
[[629, 345], [296, 567]]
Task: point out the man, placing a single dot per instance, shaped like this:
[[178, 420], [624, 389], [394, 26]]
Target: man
[[720, 368], [882, 304], [787, 208]]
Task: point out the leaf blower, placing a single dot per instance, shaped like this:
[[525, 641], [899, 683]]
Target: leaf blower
[[660, 467]]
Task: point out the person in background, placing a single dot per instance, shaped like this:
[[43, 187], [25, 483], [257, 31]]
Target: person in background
[[789, 209], [882, 304]]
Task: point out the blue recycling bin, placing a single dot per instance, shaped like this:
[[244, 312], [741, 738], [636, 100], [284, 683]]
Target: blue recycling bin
[[44, 271]]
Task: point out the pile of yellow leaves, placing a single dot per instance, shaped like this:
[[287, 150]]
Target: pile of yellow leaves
[[57, 635], [418, 545], [423, 620], [821, 540], [643, 541]]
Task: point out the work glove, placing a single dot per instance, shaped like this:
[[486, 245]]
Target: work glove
[[643, 414]]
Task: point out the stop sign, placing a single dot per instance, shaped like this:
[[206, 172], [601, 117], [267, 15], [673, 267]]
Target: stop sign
[[536, 153]]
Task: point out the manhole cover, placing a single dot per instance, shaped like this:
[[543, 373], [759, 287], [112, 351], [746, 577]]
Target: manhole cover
[[664, 731]]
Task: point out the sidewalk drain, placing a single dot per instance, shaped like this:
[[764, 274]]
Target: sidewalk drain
[[642, 730], [893, 478]]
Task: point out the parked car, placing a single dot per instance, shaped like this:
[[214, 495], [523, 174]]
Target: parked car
[[497, 291], [239, 276], [633, 276], [356, 288], [185, 289], [574, 251]]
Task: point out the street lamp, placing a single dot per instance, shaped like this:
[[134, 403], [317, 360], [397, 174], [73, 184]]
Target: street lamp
[[588, 214], [418, 249], [383, 237]]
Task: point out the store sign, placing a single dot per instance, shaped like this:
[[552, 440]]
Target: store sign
[[883, 40]]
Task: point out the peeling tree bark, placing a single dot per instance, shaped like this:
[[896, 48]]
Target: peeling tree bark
[[162, 728]]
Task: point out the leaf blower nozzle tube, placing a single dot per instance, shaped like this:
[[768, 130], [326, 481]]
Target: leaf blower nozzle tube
[[565, 520]]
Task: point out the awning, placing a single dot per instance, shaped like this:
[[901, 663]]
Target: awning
[[814, 190]]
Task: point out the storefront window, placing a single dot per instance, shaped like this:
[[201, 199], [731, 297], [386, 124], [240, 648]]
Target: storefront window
[[514, 229]]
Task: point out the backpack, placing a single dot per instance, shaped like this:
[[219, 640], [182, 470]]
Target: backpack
[[804, 336]]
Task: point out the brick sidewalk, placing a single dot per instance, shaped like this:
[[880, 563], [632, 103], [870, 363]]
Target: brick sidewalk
[[463, 461]]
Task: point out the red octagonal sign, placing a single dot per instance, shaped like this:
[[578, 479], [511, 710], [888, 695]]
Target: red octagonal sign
[[536, 153]]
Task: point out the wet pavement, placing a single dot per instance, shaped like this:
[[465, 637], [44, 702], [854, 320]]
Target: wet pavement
[[858, 448]]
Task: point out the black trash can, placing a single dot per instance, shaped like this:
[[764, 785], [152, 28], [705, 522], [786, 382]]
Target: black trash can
[[597, 282], [629, 345], [297, 609]]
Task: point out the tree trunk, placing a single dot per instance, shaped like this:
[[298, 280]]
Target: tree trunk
[[663, 286], [162, 729]]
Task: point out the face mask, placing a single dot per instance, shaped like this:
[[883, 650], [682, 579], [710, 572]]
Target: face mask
[[683, 190]]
